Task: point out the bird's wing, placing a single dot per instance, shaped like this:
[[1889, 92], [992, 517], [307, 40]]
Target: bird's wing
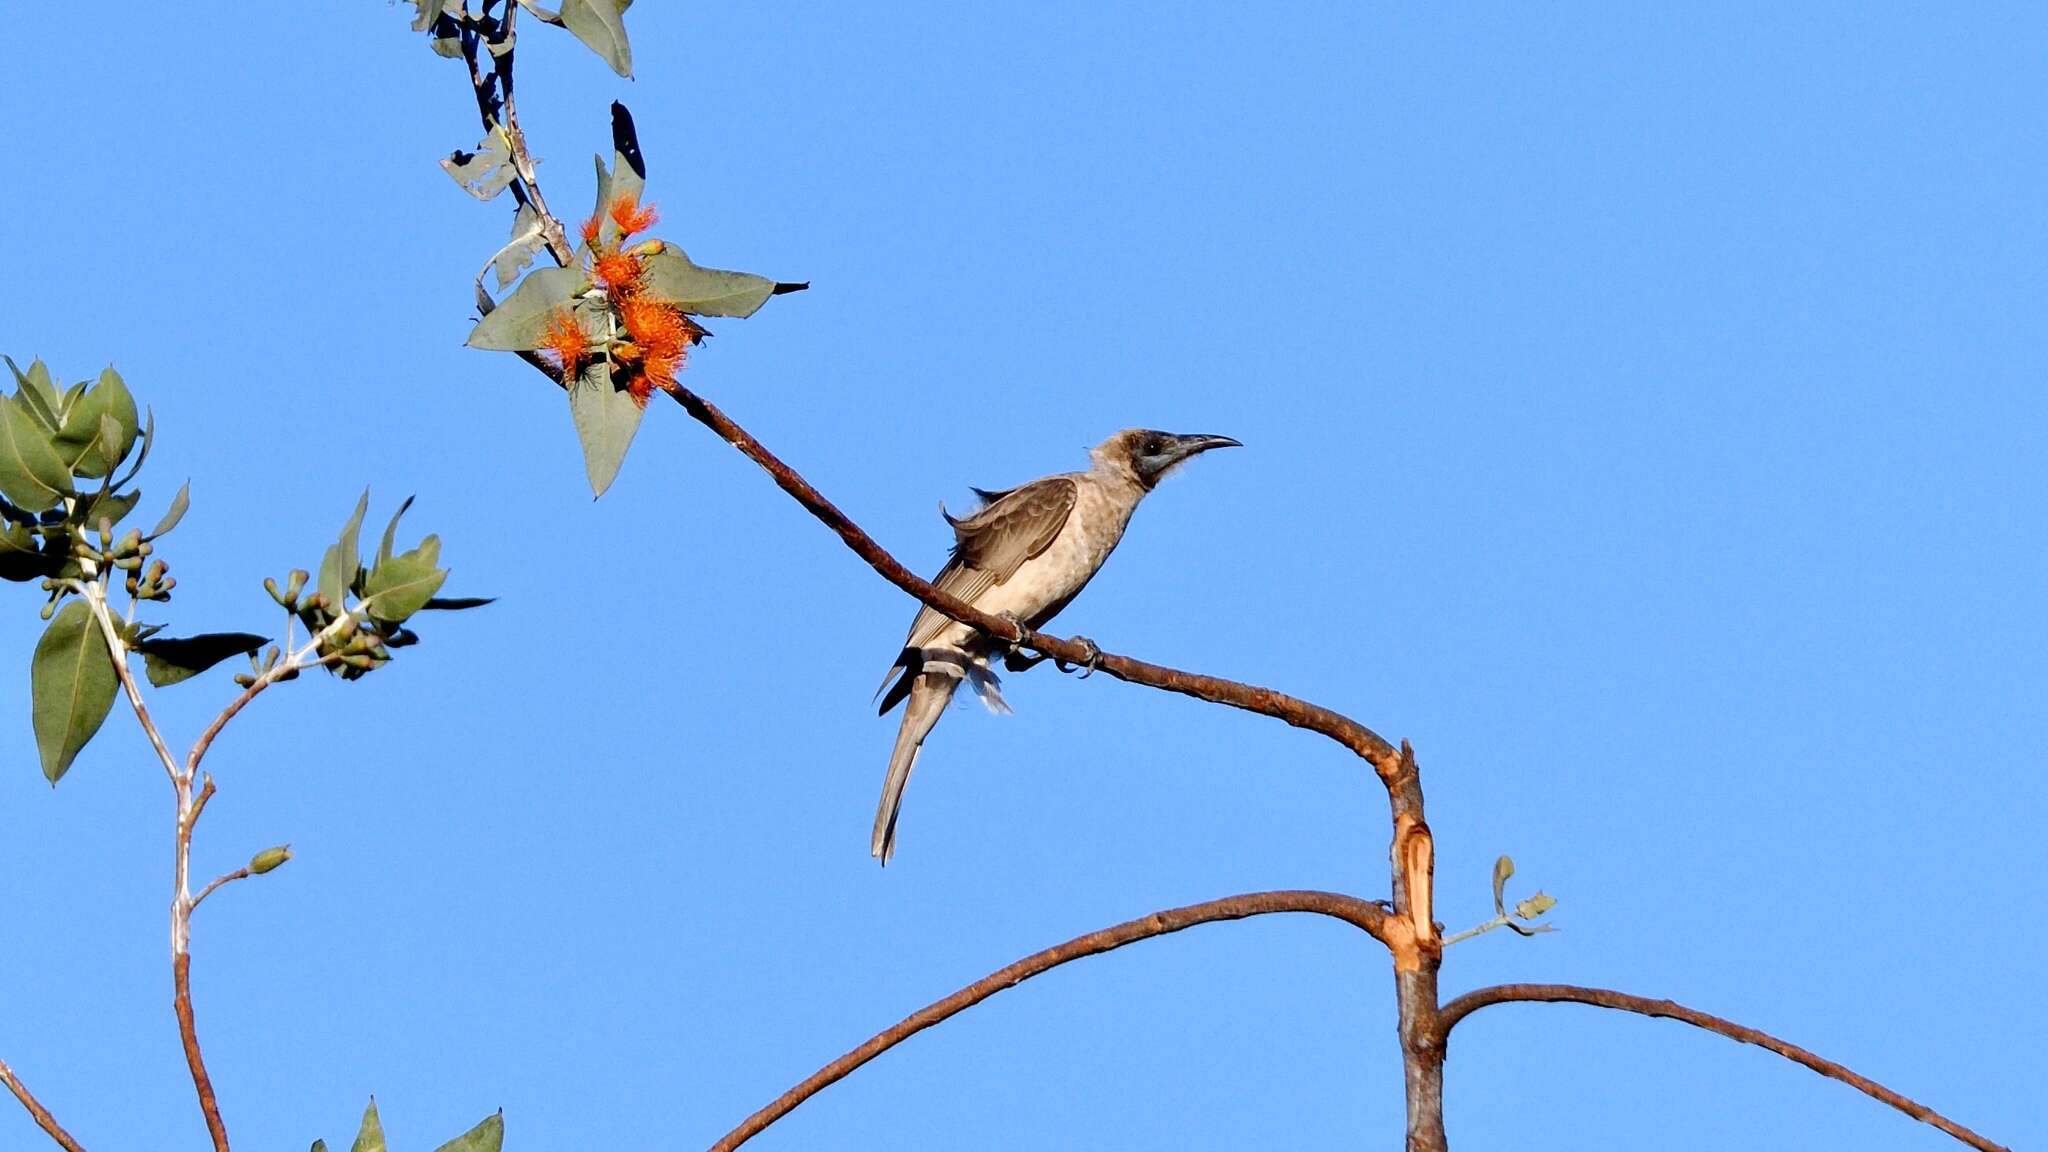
[[992, 544]]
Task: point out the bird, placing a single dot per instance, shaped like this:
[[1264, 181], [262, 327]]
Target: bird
[[1023, 555]]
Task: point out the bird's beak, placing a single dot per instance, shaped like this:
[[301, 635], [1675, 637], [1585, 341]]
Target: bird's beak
[[1179, 450]]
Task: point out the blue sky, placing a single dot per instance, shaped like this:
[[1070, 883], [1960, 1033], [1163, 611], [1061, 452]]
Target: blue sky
[[1643, 415]]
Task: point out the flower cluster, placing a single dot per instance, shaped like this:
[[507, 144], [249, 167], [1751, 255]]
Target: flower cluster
[[658, 337]]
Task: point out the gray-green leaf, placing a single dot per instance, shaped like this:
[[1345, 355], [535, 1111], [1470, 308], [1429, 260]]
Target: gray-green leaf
[[520, 321], [168, 662], [31, 473], [401, 586], [99, 428], [72, 684], [174, 513], [485, 172], [600, 24], [338, 566], [390, 530], [606, 419], [1503, 868], [371, 1137], [672, 276], [488, 1136]]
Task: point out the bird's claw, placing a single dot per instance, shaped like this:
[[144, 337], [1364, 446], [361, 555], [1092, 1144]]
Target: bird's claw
[[1014, 647], [1087, 666]]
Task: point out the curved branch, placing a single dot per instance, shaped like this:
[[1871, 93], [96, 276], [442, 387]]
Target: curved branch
[[1384, 757], [1362, 914], [1472, 1002], [43, 1119]]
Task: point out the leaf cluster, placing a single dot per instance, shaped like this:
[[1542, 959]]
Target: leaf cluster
[[607, 391], [66, 485], [356, 611], [487, 1136]]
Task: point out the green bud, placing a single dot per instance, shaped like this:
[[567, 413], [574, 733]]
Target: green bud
[[268, 859], [295, 582], [276, 593]]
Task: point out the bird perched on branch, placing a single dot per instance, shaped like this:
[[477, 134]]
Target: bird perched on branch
[[1023, 555]]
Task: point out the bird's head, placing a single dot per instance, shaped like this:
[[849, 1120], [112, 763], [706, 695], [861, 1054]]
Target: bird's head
[[1150, 455]]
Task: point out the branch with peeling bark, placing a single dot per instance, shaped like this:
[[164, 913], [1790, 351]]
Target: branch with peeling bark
[[1363, 915], [36, 1111], [1456, 1011]]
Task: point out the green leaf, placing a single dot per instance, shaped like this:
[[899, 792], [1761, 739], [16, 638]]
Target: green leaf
[[1503, 868], [1535, 906], [72, 683], [606, 419], [600, 24], [338, 566], [384, 545], [700, 291], [488, 1136], [99, 428], [168, 662], [148, 439], [31, 473], [401, 586], [112, 506], [319, 1146], [518, 323], [21, 559], [371, 1137], [174, 513], [37, 392], [457, 603], [485, 172]]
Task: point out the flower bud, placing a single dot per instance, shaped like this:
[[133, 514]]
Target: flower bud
[[269, 859]]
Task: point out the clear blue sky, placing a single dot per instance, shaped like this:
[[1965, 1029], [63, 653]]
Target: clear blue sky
[[1643, 415]]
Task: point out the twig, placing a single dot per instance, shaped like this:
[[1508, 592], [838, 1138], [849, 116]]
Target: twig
[[117, 649], [237, 874], [499, 113], [188, 1034], [40, 1114], [1361, 914], [1471, 1002]]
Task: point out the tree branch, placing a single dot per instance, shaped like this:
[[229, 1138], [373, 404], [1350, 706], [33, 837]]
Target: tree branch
[[1362, 914], [40, 1114], [1472, 1002], [1361, 740], [188, 1034]]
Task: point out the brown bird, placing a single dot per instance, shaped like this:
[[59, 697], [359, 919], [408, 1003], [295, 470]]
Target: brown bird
[[1025, 554]]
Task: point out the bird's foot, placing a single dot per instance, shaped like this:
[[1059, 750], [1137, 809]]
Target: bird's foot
[[1014, 647], [1087, 666]]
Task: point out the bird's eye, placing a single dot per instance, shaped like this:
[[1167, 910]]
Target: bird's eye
[[1154, 445]]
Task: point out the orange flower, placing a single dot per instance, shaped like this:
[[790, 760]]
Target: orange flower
[[590, 228], [565, 342], [618, 271], [661, 337], [630, 216]]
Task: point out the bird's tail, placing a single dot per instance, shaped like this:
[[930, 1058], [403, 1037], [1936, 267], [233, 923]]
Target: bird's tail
[[929, 692]]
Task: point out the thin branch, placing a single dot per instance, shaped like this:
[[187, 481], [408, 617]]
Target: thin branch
[[218, 881], [117, 651], [188, 1034], [1362, 914], [41, 1115], [1472, 1002]]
